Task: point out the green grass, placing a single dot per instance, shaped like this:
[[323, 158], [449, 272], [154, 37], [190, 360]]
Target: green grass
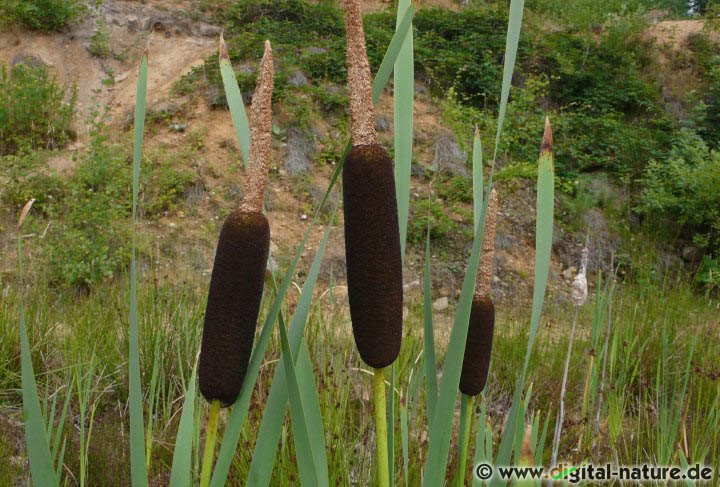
[[652, 332]]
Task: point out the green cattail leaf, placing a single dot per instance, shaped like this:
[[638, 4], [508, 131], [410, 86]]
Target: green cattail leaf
[[138, 471], [392, 53], [511, 46], [58, 450], [403, 98], [405, 445], [441, 425], [429, 337], [303, 451], [477, 175], [404, 94], [181, 474], [543, 247], [41, 466], [235, 102], [391, 426], [481, 454], [271, 425], [540, 446]]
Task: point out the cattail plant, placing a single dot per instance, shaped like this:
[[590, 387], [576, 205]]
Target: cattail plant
[[236, 284], [372, 238], [478, 346]]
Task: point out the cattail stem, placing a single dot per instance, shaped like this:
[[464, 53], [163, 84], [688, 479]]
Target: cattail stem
[[381, 445], [210, 436], [561, 413], [585, 402], [466, 407]]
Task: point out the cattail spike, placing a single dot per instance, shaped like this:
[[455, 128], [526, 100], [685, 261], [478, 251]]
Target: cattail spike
[[362, 113], [485, 269], [547, 141], [260, 134]]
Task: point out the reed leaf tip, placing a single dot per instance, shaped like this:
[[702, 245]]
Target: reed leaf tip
[[223, 47], [547, 141], [24, 213]]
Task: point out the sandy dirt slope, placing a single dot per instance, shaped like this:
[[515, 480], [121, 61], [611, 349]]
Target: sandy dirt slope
[[175, 45]]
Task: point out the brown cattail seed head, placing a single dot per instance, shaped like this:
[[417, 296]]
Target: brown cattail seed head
[[236, 289], [362, 112], [485, 268], [478, 347], [260, 134], [372, 252]]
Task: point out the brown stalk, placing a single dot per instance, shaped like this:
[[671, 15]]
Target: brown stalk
[[362, 112], [260, 134], [485, 268]]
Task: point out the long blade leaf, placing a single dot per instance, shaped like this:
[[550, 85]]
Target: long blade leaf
[[303, 450], [235, 102], [429, 337], [511, 45], [272, 421], [41, 467], [138, 472], [181, 474], [543, 247], [404, 94]]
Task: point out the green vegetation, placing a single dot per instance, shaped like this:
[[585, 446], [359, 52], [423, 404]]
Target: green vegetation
[[685, 191], [49, 15], [88, 240], [171, 318], [35, 111]]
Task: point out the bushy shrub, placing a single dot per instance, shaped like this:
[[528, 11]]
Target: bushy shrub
[[35, 111], [429, 213], [49, 15], [685, 190]]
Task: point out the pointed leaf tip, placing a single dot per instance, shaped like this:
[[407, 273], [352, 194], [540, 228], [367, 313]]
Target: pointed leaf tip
[[477, 131], [24, 213], [547, 142], [223, 48]]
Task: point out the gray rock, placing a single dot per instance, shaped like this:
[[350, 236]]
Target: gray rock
[[690, 253], [316, 50], [382, 123], [441, 304], [300, 150], [449, 158], [27, 60], [298, 79]]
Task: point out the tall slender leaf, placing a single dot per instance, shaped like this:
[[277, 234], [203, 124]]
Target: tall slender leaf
[[36, 440], [274, 415], [477, 175], [511, 45], [235, 102], [429, 337], [543, 247], [403, 97], [181, 474], [138, 472], [303, 450]]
